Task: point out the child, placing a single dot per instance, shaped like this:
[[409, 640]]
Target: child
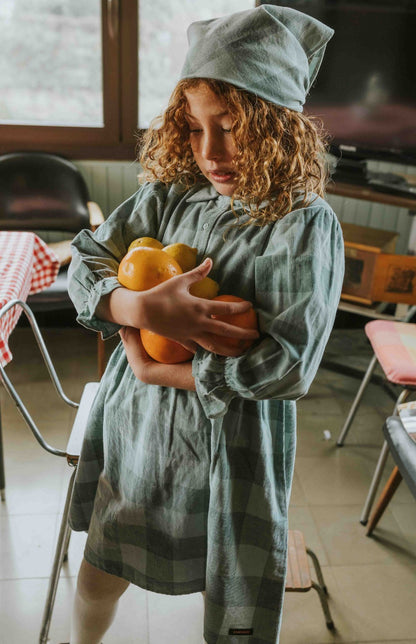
[[185, 473]]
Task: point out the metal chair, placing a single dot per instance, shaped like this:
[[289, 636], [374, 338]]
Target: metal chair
[[392, 343], [402, 447], [71, 453], [367, 379], [45, 193]]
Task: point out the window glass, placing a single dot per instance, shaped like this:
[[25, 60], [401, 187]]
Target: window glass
[[163, 45], [51, 62]]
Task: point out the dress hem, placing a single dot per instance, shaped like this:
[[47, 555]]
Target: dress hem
[[145, 583]]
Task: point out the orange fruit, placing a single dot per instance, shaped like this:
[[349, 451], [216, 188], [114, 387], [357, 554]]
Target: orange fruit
[[150, 242], [164, 350], [142, 268], [246, 320]]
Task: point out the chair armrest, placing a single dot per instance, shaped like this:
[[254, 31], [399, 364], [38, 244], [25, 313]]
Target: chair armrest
[[73, 448], [96, 215], [62, 250]]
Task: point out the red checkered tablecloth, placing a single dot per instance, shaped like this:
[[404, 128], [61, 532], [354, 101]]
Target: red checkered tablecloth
[[27, 266]]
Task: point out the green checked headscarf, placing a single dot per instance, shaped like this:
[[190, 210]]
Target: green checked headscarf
[[273, 52]]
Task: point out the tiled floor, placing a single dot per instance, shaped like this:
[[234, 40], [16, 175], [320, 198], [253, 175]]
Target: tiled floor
[[372, 582]]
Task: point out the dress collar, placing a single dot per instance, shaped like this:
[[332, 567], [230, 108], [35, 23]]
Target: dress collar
[[204, 192], [207, 192]]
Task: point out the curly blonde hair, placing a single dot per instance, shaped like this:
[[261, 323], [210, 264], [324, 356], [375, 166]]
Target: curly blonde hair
[[280, 153]]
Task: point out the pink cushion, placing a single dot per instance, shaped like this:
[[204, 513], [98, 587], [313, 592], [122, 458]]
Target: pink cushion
[[394, 344]]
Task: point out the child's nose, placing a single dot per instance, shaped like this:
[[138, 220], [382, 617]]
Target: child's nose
[[211, 148]]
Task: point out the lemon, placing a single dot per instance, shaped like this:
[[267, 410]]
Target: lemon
[[150, 242], [183, 254], [206, 288]]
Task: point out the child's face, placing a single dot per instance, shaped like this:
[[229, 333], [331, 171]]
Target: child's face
[[210, 137]]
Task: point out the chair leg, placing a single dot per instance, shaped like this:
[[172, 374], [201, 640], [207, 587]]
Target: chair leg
[[318, 570], [321, 588], [2, 470], [100, 355], [324, 604], [385, 498], [374, 483], [66, 545], [61, 545], [357, 400]]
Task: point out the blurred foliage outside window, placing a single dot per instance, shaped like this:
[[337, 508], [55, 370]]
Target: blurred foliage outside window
[[163, 45], [51, 62]]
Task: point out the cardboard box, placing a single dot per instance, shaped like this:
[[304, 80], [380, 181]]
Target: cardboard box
[[373, 273]]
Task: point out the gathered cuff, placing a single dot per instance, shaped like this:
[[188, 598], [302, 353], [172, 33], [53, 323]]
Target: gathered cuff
[[213, 392], [87, 316]]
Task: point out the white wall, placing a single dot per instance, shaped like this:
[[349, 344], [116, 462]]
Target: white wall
[[111, 182]]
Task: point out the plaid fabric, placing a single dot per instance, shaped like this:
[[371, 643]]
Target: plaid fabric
[[27, 266], [185, 491]]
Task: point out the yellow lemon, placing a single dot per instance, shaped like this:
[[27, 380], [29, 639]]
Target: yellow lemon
[[206, 288], [149, 242], [185, 255], [144, 267]]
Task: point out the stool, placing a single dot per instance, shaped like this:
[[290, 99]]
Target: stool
[[298, 577], [394, 345]]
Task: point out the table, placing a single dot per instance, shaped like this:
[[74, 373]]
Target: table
[[27, 266]]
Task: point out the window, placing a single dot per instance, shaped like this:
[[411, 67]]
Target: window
[[79, 77]]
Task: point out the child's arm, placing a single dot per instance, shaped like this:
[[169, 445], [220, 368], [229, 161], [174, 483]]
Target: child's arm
[[151, 372], [170, 310]]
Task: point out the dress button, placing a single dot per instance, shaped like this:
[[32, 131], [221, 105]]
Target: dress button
[[205, 226]]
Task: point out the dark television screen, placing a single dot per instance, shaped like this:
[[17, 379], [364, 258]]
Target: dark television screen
[[365, 92]]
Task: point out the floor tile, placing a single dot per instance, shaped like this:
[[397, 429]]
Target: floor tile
[[26, 545], [340, 477], [182, 616], [380, 599], [304, 622], [22, 604], [346, 543]]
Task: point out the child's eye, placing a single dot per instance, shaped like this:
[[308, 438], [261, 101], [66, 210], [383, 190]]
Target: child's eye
[[191, 130], [226, 130]]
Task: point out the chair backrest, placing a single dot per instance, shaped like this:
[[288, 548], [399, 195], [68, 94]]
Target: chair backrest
[[403, 450], [41, 191]]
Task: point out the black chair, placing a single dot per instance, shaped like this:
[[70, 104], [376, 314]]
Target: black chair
[[43, 192], [403, 450]]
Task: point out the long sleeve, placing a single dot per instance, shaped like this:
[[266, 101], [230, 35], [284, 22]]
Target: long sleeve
[[298, 283], [96, 256]]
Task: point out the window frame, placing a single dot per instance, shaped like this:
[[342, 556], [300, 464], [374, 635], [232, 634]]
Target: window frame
[[117, 139]]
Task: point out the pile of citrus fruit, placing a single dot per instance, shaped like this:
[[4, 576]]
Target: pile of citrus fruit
[[149, 263]]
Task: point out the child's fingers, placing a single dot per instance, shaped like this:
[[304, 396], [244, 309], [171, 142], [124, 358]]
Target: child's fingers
[[198, 273], [218, 327], [215, 307], [214, 345]]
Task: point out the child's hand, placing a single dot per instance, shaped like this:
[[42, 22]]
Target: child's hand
[[172, 311], [137, 357]]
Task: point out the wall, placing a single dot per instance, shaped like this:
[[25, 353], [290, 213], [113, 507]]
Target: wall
[[111, 182]]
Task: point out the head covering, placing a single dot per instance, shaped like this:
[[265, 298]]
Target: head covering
[[273, 52]]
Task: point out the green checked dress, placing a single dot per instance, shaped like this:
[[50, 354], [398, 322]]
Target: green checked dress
[[188, 491]]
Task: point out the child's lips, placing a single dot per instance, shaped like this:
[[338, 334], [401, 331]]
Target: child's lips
[[221, 177]]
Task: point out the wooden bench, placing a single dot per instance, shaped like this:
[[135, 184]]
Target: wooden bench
[[298, 577]]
